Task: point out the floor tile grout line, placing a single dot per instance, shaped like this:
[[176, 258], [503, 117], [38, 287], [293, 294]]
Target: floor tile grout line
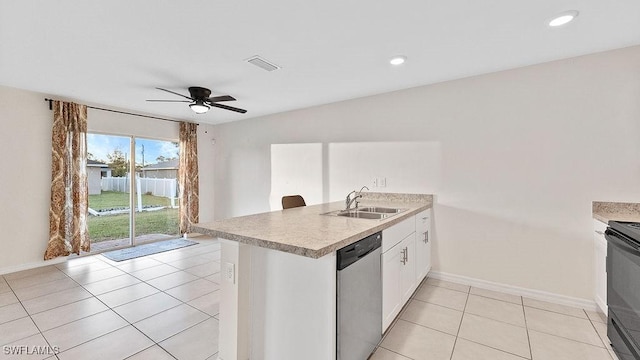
[[500, 321], [152, 315], [573, 340], [448, 288], [192, 326], [95, 281], [158, 342], [555, 312], [495, 348], [504, 301], [151, 267], [59, 306], [187, 282], [39, 331], [455, 341], [39, 283], [395, 352], [596, 330], [526, 326], [52, 270], [145, 349], [94, 338], [424, 326], [428, 302]]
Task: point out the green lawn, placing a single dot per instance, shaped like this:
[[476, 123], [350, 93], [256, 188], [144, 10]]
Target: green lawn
[[110, 227], [112, 199]]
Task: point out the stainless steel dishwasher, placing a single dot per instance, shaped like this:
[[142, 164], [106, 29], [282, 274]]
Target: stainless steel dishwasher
[[359, 298]]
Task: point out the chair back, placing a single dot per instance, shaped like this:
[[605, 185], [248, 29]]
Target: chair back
[[292, 201]]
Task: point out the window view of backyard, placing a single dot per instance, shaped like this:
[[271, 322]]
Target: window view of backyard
[[155, 189]]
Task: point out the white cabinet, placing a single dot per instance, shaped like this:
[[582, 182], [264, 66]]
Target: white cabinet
[[600, 276], [398, 278], [398, 268], [423, 245], [391, 286], [408, 270]]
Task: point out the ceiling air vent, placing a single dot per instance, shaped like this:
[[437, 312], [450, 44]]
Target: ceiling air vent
[[262, 63]]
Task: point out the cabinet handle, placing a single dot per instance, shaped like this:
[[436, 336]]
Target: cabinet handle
[[599, 232], [426, 236], [404, 256], [425, 218]]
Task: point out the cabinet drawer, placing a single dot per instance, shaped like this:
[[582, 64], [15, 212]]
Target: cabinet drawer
[[423, 221], [397, 233]]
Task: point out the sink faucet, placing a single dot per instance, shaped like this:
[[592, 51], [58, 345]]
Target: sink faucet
[[358, 194]]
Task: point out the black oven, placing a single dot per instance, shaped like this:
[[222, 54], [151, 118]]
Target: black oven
[[623, 288]]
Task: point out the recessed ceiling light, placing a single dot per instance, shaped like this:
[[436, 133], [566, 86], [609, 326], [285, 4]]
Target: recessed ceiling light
[[398, 60], [564, 18]]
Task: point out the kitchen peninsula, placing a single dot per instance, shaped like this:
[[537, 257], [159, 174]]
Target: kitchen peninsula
[[278, 275]]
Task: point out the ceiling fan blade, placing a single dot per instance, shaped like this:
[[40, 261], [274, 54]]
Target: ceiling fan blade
[[182, 101], [221, 98], [175, 93], [242, 111]]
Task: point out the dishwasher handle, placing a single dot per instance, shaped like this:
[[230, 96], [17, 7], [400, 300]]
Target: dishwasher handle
[[356, 251]]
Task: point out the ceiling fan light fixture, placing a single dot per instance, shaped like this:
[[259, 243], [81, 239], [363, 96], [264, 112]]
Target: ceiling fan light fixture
[[563, 18], [199, 107]]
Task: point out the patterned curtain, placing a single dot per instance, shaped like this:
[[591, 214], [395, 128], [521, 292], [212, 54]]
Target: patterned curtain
[[188, 176], [69, 191]]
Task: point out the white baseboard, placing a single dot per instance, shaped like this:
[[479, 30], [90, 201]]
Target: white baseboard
[[519, 291], [602, 305], [33, 265]]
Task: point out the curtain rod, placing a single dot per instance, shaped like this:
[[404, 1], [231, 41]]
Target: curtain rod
[[118, 112]]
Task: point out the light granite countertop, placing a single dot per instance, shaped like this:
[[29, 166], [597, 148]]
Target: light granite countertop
[[605, 211], [305, 231]]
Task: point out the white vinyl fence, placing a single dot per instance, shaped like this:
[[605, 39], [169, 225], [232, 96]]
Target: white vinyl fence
[[158, 187]]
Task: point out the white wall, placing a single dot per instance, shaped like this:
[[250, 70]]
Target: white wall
[[206, 171], [326, 172], [522, 155], [25, 135]]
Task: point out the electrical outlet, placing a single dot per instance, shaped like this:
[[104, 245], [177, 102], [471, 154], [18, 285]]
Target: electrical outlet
[[375, 182], [382, 182], [230, 272]]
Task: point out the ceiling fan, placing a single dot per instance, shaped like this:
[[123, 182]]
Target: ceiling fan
[[201, 100]]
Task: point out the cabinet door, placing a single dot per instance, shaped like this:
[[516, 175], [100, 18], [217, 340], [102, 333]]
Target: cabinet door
[[391, 290], [423, 255], [408, 276], [423, 245], [600, 249]]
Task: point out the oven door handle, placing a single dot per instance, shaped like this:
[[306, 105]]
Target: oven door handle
[[621, 241]]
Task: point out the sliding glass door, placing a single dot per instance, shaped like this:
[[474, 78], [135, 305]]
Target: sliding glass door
[[156, 190], [109, 179], [132, 190]]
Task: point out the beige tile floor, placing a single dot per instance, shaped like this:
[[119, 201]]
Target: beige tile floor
[[448, 321], [162, 306], [165, 306]]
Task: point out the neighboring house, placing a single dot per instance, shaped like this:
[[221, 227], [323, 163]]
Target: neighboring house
[[96, 170], [162, 170]]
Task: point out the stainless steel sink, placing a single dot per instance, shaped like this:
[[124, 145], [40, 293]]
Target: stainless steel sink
[[369, 212], [362, 214], [376, 209]]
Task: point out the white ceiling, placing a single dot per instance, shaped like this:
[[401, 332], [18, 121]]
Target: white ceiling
[[116, 52]]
